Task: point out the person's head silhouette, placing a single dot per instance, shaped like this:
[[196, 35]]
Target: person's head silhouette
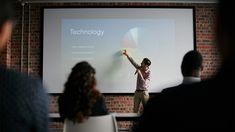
[[191, 67], [192, 64]]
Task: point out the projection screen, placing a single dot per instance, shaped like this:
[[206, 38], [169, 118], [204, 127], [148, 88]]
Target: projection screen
[[98, 35]]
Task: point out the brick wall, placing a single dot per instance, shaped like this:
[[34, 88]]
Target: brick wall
[[205, 43]]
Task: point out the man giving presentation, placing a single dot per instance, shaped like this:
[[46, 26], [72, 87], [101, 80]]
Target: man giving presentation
[[143, 79]]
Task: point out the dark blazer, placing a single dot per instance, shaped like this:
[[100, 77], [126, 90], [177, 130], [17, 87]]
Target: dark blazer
[[207, 106], [23, 103]]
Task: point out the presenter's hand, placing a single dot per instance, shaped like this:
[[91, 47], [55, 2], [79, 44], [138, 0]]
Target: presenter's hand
[[125, 53]]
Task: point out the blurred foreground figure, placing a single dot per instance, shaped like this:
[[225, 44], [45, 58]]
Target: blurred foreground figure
[[202, 107], [23, 101]]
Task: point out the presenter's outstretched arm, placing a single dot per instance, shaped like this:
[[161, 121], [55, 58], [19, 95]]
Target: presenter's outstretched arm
[[131, 60]]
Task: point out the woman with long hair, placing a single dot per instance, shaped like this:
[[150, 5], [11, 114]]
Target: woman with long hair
[[80, 98]]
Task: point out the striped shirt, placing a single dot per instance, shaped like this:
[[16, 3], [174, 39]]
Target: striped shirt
[[143, 77]]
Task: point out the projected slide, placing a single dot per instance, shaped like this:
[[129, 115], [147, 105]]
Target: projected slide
[[100, 42]]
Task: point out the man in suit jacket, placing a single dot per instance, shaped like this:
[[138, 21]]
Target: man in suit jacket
[[206, 106], [23, 102]]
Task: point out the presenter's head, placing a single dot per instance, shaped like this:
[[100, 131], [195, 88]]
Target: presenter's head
[[145, 64]]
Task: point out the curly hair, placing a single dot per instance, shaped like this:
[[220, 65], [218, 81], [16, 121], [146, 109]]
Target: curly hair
[[79, 95]]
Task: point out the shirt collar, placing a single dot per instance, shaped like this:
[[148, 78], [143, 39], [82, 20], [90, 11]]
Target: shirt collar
[[188, 80]]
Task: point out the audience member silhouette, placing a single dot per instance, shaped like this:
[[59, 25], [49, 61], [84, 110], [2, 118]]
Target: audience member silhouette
[[80, 98], [191, 67], [23, 101], [206, 106]]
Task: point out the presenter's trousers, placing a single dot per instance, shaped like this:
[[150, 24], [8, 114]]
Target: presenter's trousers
[[140, 97]]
